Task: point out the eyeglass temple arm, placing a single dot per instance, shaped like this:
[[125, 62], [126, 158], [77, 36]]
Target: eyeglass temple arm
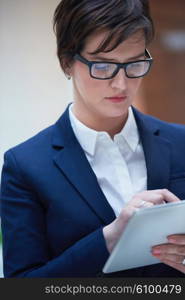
[[147, 53]]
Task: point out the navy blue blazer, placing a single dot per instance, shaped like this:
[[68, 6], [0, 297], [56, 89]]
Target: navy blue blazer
[[53, 210]]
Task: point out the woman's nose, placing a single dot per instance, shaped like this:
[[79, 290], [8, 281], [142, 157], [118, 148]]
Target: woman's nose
[[120, 80]]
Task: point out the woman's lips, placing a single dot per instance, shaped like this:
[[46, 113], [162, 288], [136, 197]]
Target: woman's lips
[[116, 99]]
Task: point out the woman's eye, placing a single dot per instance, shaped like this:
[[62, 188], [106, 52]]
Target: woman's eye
[[136, 65], [102, 67]]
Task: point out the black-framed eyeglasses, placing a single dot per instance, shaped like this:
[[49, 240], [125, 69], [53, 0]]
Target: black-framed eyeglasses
[[107, 70]]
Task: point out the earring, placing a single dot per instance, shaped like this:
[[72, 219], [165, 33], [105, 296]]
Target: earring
[[68, 76]]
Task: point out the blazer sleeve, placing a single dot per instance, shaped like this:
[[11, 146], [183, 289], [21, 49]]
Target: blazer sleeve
[[25, 245]]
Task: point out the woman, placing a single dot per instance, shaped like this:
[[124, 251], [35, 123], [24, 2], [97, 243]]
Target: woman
[[68, 193]]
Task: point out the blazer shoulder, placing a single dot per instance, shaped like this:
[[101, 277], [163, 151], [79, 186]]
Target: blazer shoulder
[[35, 144], [170, 128], [173, 132], [164, 126]]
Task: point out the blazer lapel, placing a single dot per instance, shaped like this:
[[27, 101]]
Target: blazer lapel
[[156, 149], [71, 160]]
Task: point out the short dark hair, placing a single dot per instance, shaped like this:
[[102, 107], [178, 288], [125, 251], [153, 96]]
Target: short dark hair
[[75, 20]]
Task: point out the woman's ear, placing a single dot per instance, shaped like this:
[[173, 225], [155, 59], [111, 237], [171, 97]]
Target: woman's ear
[[68, 71]]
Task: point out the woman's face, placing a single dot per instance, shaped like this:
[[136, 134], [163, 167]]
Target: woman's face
[[100, 100]]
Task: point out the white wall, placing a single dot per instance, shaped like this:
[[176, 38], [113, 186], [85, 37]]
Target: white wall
[[33, 90]]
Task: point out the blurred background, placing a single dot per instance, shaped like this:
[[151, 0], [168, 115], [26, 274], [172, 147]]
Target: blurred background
[[163, 91], [33, 90]]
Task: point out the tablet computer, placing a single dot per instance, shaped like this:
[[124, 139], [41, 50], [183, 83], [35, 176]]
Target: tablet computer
[[146, 228]]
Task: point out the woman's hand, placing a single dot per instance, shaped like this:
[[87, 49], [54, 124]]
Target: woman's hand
[[172, 253], [113, 231]]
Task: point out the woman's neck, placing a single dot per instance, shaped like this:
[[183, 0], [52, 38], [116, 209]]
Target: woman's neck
[[110, 125]]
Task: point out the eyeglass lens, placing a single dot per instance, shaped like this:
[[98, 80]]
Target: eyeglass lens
[[107, 70]]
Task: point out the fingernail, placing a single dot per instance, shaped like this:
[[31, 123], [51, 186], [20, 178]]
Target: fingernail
[[156, 254], [171, 240], [156, 251]]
